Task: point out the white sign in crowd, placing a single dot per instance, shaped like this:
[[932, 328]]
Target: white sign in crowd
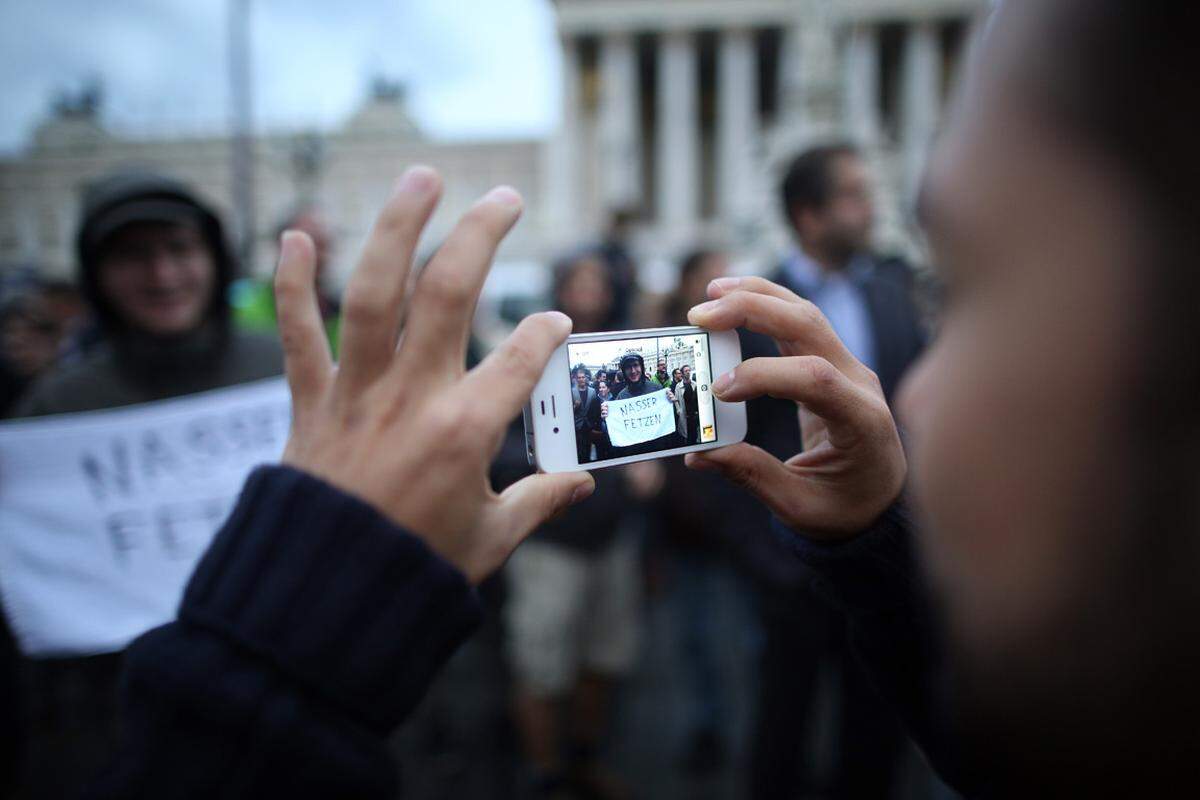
[[635, 420], [103, 515]]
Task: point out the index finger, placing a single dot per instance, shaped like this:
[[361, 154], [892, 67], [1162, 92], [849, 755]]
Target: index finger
[[509, 373], [443, 302], [797, 325]]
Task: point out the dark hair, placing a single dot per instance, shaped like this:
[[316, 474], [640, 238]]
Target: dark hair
[[578, 368], [808, 180], [694, 260], [565, 267], [675, 309]]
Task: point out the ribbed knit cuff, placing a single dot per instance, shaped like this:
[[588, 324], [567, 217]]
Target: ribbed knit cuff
[[333, 594]]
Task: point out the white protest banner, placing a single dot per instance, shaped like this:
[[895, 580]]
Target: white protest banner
[[104, 514], [635, 420]]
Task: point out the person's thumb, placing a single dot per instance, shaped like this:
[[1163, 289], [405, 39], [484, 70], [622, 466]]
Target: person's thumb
[[533, 500]]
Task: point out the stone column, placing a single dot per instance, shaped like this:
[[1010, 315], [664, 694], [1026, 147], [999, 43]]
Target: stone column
[[678, 143], [810, 81], [562, 176], [921, 96], [862, 85], [737, 122], [620, 122]]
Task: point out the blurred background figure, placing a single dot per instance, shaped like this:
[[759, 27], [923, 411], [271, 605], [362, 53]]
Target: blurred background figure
[[696, 520], [154, 266], [39, 322], [827, 199], [617, 254], [573, 611], [254, 300]]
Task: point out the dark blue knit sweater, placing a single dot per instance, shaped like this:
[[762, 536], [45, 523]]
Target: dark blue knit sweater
[[309, 630]]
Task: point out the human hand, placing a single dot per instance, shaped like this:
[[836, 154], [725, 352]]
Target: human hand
[[670, 396], [853, 465], [398, 421], [604, 410]]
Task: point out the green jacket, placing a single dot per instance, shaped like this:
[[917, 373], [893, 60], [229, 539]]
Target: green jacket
[[254, 311]]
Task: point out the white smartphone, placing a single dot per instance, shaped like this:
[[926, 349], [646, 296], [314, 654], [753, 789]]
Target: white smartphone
[[614, 398]]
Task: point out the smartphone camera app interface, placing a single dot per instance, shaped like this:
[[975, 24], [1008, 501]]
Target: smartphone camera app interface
[[636, 396]]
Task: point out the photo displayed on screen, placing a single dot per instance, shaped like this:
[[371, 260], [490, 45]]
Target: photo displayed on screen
[[636, 396]]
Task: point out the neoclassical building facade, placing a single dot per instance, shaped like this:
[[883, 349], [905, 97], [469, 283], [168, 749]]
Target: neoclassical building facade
[[687, 110], [682, 112]]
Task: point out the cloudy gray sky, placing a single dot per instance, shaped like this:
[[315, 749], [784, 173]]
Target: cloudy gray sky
[[474, 67]]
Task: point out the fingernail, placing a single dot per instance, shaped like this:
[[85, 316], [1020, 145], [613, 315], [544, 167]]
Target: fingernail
[[563, 320], [726, 284], [722, 384], [582, 492], [703, 310], [417, 180], [504, 195]]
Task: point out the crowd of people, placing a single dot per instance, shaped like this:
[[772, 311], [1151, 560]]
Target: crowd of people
[[591, 391], [1006, 588], [164, 312]]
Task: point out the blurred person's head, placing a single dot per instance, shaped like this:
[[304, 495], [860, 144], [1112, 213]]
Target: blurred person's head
[[827, 202], [602, 375], [157, 277], [153, 259], [30, 336], [687, 373], [677, 375], [602, 389], [1054, 425], [662, 366], [581, 377], [583, 290]]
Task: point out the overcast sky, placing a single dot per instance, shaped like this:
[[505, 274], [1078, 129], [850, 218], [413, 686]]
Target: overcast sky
[[475, 68]]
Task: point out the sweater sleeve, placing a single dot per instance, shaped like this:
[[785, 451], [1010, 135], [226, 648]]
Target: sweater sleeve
[[875, 580], [308, 631]]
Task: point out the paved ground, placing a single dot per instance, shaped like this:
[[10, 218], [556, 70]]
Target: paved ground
[[460, 744]]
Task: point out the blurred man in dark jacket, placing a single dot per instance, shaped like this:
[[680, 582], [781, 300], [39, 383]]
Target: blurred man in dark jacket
[[826, 200], [155, 266]]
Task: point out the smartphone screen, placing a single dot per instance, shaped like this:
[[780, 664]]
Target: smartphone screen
[[635, 396]]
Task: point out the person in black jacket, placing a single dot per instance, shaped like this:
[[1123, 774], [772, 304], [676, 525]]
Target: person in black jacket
[[1036, 631], [155, 268], [826, 200]]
